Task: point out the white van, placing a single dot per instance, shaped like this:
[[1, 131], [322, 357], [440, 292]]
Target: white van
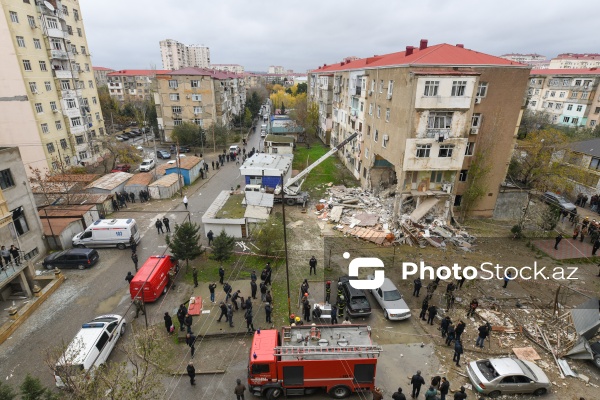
[[90, 348], [108, 233]]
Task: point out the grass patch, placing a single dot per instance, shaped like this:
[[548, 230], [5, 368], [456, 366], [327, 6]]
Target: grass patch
[[232, 207], [330, 170]]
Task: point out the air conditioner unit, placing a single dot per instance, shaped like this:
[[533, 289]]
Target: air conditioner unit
[[188, 97], [386, 137], [35, 91], [370, 92], [477, 100], [474, 131], [389, 96], [55, 110]]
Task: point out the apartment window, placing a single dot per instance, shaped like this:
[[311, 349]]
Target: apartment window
[[76, 121], [71, 103], [574, 95], [578, 82], [197, 110], [562, 94], [387, 115], [198, 121], [436, 176], [74, 49], [97, 116], [584, 95], [537, 91], [65, 10], [559, 106], [91, 84], [482, 89], [196, 97], [176, 109], [19, 221], [552, 94], [446, 150], [593, 122], [381, 86], [458, 88], [83, 155], [476, 120], [550, 105], [53, 106], [579, 108], [50, 147], [533, 103], [570, 107], [67, 160], [79, 33], [48, 86], [83, 51], [566, 82], [174, 96], [376, 136], [6, 179], [76, 14], [58, 125], [101, 131], [14, 17], [33, 87], [45, 128], [470, 149], [566, 119], [457, 200], [26, 65], [431, 88], [439, 120], [195, 83], [370, 109], [423, 150], [38, 108], [595, 163], [79, 139], [554, 82], [20, 41], [574, 121], [43, 66], [87, 67], [70, 30], [378, 111], [597, 110], [94, 100], [173, 84], [390, 89], [462, 177], [177, 121], [37, 44], [385, 141]]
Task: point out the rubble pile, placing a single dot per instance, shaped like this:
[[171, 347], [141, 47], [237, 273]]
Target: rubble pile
[[360, 213]]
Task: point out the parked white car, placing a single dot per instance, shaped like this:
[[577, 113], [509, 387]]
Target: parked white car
[[390, 299], [147, 165]]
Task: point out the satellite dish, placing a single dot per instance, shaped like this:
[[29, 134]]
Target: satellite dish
[[49, 6]]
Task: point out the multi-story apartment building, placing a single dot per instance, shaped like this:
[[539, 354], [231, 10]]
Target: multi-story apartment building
[[132, 84], [524, 58], [100, 74], [569, 96], [200, 96], [176, 55], [45, 64], [575, 61], [276, 70], [235, 68], [422, 116]]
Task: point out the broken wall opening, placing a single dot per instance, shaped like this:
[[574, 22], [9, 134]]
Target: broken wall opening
[[382, 174]]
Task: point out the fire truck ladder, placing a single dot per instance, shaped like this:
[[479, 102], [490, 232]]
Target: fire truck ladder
[[328, 350]]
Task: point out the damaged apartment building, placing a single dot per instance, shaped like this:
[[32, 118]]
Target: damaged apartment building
[[422, 116]]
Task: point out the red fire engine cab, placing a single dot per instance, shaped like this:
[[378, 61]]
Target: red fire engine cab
[[299, 360]]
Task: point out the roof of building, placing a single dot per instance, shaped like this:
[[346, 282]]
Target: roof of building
[[440, 54], [257, 212], [570, 71], [188, 162], [110, 181], [142, 178], [75, 210], [102, 69], [195, 71], [166, 180], [261, 199], [137, 72], [232, 208], [56, 226], [266, 162], [279, 139], [86, 178], [590, 147], [214, 211], [576, 56]]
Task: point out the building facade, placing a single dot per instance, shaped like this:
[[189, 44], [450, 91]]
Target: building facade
[[200, 96], [48, 91], [276, 70], [235, 68], [570, 97], [575, 61], [176, 55], [100, 74], [422, 116], [132, 84]]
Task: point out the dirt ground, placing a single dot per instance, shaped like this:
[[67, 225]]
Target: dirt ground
[[494, 244]]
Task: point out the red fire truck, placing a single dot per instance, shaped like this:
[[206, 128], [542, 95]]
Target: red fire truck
[[299, 360]]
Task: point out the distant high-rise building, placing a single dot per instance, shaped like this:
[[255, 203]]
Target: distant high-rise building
[[235, 68], [575, 61], [176, 55], [51, 109]]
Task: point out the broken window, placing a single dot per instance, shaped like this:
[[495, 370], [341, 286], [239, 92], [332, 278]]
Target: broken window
[[436, 176], [463, 175], [446, 150], [423, 150], [439, 120]]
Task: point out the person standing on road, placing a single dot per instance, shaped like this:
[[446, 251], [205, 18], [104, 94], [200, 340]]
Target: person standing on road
[[159, 226], [507, 277], [239, 390], [557, 241], [377, 393], [230, 315], [129, 277], [185, 201], [134, 258], [227, 290], [483, 333], [188, 321], [132, 244], [190, 340], [223, 308], [211, 289], [213, 164], [132, 197], [460, 328], [472, 307], [444, 388], [168, 322], [417, 288], [458, 350], [424, 307], [416, 381], [263, 292], [313, 265], [221, 273], [398, 395], [268, 310], [166, 223], [139, 306], [327, 292], [191, 371], [181, 312], [431, 313], [444, 325], [253, 289], [210, 235], [334, 312], [248, 317], [596, 246], [195, 276]]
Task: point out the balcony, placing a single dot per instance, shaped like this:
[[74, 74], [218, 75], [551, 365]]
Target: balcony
[[65, 74], [70, 93], [76, 130], [59, 54], [435, 133], [357, 91]]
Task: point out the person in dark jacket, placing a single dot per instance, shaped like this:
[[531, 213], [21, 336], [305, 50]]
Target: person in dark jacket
[[230, 315], [168, 322], [460, 395], [248, 317], [135, 260], [221, 274], [418, 284], [398, 395], [211, 289], [334, 313], [195, 276], [263, 291], [188, 321], [313, 265], [424, 307], [234, 299], [132, 244], [129, 277], [191, 371], [451, 335], [446, 322], [190, 340], [159, 226], [181, 313], [306, 308], [483, 333], [431, 313], [444, 388], [253, 277], [239, 390], [166, 222], [416, 381], [227, 289], [253, 288], [268, 297], [14, 251], [458, 350], [223, 308], [460, 328], [268, 310], [472, 307], [210, 235], [435, 382]]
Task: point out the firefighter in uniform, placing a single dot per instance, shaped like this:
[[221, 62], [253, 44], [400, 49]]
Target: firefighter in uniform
[[327, 291], [341, 304]]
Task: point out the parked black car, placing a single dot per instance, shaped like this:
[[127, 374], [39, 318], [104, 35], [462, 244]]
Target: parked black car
[[72, 258], [182, 149], [163, 154], [357, 304]]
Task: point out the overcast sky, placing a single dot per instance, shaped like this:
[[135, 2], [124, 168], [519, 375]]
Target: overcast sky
[[301, 35]]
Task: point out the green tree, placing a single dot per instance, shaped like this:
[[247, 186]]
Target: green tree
[[7, 392], [222, 247], [119, 152], [549, 217], [247, 117], [185, 242], [188, 134], [301, 88], [312, 119], [32, 389], [269, 236]]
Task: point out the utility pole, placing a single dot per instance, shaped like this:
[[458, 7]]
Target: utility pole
[[154, 141], [287, 271]]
